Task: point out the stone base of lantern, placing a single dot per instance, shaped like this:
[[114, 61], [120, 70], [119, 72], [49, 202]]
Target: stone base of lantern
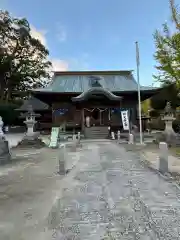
[[31, 142]]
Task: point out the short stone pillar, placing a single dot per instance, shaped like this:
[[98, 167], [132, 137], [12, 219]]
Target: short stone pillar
[[5, 156], [74, 137], [131, 139], [163, 157], [62, 159], [112, 135], [78, 139], [6, 129], [1, 127], [79, 136], [118, 135]]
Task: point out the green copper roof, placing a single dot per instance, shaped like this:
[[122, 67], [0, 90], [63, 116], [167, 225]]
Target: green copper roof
[[35, 103], [78, 82]]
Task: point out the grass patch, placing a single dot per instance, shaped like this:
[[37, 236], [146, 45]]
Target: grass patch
[[175, 150]]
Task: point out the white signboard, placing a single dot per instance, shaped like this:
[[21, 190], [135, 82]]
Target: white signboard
[[125, 119], [54, 137]]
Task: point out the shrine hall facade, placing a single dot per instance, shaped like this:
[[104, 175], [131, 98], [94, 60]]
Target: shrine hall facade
[[99, 95]]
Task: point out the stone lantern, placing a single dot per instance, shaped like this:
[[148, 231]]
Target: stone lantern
[[30, 123], [31, 137], [168, 118]]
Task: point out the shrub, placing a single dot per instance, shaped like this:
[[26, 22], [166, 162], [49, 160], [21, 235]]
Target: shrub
[[176, 125], [154, 113], [157, 124]]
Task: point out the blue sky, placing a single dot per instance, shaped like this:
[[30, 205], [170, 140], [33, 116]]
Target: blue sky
[[95, 34]]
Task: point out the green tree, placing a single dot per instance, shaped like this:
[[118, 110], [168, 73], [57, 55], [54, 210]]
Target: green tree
[[168, 94], [23, 59], [168, 50], [145, 106]]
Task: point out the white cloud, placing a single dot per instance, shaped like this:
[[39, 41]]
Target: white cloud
[[61, 33], [59, 65], [39, 34]]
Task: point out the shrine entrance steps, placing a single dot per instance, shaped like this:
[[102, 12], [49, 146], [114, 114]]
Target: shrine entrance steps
[[96, 132]]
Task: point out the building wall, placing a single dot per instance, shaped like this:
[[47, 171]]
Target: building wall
[[74, 114]]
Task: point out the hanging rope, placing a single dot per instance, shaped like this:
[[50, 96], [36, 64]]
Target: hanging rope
[[101, 110]]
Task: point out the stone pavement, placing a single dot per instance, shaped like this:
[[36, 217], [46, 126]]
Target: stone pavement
[[113, 196]]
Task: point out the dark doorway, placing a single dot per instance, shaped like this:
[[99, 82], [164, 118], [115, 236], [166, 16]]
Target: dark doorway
[[95, 114]]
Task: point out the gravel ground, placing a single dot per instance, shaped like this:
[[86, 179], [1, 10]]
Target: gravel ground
[[113, 196], [28, 190], [108, 195]]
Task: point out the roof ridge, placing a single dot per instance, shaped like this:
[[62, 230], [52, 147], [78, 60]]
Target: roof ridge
[[94, 72]]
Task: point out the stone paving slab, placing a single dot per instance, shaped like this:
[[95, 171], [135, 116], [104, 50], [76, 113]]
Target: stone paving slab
[[114, 196]]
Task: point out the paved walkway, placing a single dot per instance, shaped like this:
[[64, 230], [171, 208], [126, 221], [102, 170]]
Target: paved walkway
[[112, 196]]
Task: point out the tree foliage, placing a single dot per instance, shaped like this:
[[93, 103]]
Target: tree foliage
[[168, 50], [168, 94], [145, 106], [23, 59]]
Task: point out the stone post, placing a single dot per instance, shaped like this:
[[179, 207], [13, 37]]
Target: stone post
[[79, 136], [74, 137], [5, 156], [78, 139], [112, 136], [131, 139], [163, 157], [118, 135], [62, 159], [1, 126]]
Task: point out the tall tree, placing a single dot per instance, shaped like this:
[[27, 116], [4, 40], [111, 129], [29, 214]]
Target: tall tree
[[23, 59], [168, 49]]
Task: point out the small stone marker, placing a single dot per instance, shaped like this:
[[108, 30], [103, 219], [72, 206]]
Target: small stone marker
[[78, 138], [131, 139], [112, 136], [74, 137], [119, 135], [5, 156], [62, 159], [1, 126], [163, 157]]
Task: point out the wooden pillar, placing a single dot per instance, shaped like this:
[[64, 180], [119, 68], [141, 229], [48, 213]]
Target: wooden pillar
[[82, 119], [109, 115]]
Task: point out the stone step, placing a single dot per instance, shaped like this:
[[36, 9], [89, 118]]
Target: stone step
[[96, 132]]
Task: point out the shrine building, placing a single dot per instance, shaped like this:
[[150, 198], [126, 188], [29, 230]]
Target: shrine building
[[75, 96]]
